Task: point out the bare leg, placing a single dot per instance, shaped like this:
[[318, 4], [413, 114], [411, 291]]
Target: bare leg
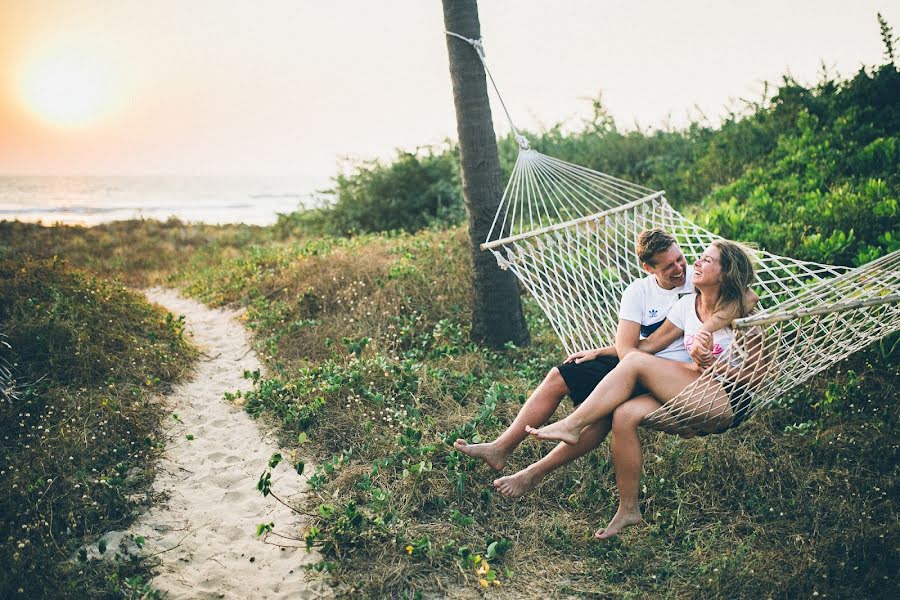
[[664, 378], [536, 410], [518, 484], [628, 459]]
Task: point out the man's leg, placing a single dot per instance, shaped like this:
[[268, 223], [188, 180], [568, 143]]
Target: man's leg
[[628, 461], [536, 410], [517, 484]]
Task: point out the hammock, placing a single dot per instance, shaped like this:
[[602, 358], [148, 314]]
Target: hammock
[[568, 234]]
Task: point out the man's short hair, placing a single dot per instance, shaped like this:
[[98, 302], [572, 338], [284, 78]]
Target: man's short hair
[[651, 242]]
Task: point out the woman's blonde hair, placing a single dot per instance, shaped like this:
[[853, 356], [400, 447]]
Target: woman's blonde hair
[[737, 274]]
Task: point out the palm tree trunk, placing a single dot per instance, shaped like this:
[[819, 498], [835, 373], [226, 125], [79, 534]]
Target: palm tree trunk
[[497, 309]]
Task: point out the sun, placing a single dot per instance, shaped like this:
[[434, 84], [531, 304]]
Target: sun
[[67, 88]]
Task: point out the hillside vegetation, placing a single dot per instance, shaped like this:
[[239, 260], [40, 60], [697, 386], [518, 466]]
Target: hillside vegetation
[[79, 430], [811, 172]]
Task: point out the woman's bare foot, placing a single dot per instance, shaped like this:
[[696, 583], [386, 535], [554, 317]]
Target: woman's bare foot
[[620, 521], [517, 484], [561, 431], [494, 457]]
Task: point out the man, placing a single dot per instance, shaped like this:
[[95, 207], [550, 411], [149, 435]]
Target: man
[[644, 306]]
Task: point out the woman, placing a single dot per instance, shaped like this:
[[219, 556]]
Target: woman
[[721, 278]]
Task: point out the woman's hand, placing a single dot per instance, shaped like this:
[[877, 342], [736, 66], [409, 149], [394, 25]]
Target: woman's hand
[[701, 350], [583, 355]]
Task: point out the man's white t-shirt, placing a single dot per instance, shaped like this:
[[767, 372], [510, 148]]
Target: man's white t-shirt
[[684, 316], [646, 303]]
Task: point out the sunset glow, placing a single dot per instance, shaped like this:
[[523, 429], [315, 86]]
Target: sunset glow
[[304, 88], [67, 89]]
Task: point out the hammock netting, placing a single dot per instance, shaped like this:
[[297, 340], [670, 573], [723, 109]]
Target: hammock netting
[[568, 234]]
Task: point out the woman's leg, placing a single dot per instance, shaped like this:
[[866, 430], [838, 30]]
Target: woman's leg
[[518, 484], [664, 379], [628, 461], [536, 410]]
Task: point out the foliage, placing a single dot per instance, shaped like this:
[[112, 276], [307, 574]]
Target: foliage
[[78, 439], [828, 190], [807, 171], [416, 190]]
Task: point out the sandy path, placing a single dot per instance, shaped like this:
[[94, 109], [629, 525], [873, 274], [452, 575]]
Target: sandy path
[[207, 526]]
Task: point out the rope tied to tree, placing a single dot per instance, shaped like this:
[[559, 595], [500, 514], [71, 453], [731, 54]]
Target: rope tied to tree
[[521, 140]]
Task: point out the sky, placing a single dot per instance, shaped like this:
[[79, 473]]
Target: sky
[[300, 87]]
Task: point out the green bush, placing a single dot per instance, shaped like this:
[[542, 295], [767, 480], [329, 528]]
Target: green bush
[[418, 189]]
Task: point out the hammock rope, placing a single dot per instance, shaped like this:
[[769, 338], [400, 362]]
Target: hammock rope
[[568, 234]]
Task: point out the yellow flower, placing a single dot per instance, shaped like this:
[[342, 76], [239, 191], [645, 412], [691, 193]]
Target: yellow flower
[[496, 583], [484, 582], [409, 549], [484, 568]]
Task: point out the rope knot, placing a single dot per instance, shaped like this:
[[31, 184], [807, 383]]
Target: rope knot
[[522, 141], [501, 262]]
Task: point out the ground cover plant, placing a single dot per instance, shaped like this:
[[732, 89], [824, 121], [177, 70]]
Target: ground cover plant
[[79, 433], [374, 378]]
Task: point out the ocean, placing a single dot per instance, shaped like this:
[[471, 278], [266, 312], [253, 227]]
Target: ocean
[[90, 200]]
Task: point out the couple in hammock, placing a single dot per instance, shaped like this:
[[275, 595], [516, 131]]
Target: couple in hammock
[[672, 326]]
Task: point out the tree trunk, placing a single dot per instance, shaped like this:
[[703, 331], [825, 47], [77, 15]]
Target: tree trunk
[[497, 309]]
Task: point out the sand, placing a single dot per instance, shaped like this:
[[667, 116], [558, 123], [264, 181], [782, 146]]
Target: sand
[[205, 531]]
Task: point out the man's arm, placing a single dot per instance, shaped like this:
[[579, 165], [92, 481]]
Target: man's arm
[[628, 335], [628, 338], [585, 355]]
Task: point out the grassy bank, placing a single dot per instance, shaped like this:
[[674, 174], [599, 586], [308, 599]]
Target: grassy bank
[[372, 373], [79, 432], [137, 253]]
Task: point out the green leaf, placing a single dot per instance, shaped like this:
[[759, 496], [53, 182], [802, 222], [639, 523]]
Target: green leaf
[[276, 458], [492, 551]]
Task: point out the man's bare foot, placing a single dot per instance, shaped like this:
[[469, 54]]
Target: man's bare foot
[[517, 484], [560, 431], [494, 457], [620, 521]]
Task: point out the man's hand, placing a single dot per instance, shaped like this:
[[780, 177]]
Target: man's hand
[[701, 350], [583, 355]]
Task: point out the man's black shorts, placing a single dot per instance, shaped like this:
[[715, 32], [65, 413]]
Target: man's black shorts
[[582, 378]]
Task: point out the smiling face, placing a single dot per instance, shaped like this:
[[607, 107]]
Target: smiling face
[[669, 267], [708, 268]]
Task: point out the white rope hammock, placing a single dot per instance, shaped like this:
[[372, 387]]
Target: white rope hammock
[[568, 233]]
